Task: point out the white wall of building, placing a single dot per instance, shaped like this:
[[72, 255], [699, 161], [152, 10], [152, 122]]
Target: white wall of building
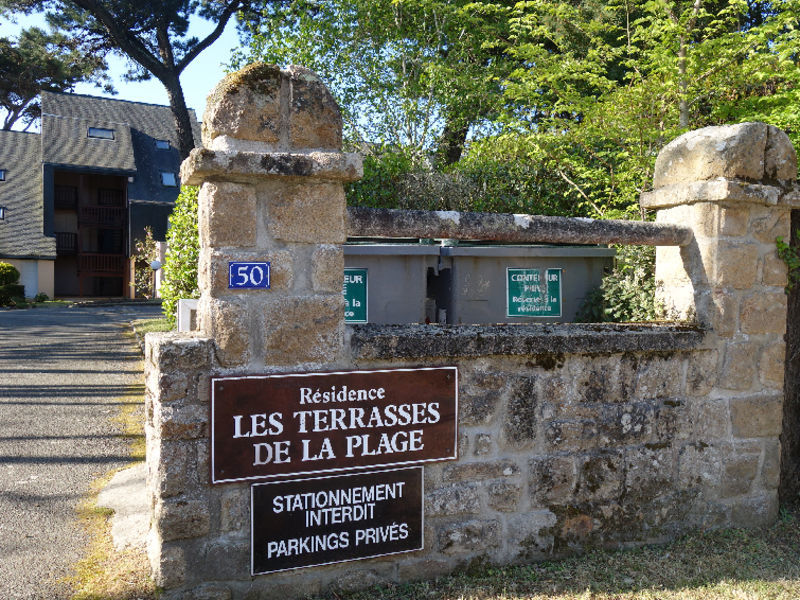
[[35, 275]]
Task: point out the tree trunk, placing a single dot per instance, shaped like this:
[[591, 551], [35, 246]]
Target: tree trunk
[[183, 124], [12, 116], [683, 103], [789, 490], [683, 83], [451, 144]]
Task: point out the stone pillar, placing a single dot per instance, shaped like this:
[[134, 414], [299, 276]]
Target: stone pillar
[[272, 176], [732, 186]]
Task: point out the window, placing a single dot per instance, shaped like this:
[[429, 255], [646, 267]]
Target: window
[[100, 133], [162, 144], [2, 213], [168, 179], [2, 174]]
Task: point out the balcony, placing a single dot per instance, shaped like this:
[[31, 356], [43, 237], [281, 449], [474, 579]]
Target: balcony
[[66, 243], [101, 264], [110, 197], [66, 197], [104, 216]]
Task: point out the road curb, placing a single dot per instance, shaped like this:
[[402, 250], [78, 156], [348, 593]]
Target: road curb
[[126, 495]]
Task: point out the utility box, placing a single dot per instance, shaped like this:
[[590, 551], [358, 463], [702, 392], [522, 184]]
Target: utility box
[[518, 284], [387, 283]]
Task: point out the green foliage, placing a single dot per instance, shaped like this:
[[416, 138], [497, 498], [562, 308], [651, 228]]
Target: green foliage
[[791, 256], [19, 302], [619, 80], [379, 187], [183, 251], [145, 326], [593, 308], [627, 294], [559, 107], [392, 180], [549, 107], [146, 253], [41, 297], [12, 294], [152, 35], [8, 274], [507, 178], [481, 181], [39, 61], [416, 74]]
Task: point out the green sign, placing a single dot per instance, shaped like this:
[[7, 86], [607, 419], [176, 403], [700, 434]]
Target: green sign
[[355, 295], [533, 292]]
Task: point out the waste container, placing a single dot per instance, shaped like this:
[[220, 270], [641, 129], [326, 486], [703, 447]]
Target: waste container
[[517, 284], [388, 282]]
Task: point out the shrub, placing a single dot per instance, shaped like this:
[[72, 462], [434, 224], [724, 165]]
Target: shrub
[[627, 294], [383, 171], [142, 274], [484, 180], [183, 251], [424, 189], [41, 297], [19, 302], [8, 274], [513, 183], [11, 293]]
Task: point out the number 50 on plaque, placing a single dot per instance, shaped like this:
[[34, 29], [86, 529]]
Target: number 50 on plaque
[[248, 275]]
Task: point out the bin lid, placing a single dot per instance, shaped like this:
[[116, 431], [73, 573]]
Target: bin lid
[[390, 250], [529, 251]]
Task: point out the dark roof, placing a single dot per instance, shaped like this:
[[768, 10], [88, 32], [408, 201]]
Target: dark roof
[[65, 142], [137, 125], [21, 232]]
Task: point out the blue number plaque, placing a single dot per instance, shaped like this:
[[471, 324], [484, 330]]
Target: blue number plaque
[[248, 275]]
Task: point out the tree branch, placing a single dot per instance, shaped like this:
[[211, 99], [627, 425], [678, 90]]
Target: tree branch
[[211, 37], [122, 38], [580, 191], [164, 45]]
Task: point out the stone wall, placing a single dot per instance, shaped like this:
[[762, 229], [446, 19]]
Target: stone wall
[[569, 436]]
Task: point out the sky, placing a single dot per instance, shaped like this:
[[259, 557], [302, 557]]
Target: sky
[[199, 78]]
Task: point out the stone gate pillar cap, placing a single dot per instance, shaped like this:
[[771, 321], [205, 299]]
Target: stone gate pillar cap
[[262, 108], [754, 152]]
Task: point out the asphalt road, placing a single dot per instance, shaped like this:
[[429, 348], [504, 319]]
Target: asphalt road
[[64, 373]]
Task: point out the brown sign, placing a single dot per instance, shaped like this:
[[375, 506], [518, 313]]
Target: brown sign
[[266, 426], [323, 520]]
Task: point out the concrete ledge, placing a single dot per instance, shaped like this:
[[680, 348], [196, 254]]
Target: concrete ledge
[[247, 167], [386, 222], [418, 341], [716, 190]]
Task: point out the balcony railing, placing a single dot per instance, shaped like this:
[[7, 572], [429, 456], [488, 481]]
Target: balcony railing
[[101, 264], [66, 196], [102, 215], [110, 197], [66, 243]]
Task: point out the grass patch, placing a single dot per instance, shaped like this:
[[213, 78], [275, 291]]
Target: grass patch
[[143, 326], [728, 564], [130, 421], [106, 573]]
